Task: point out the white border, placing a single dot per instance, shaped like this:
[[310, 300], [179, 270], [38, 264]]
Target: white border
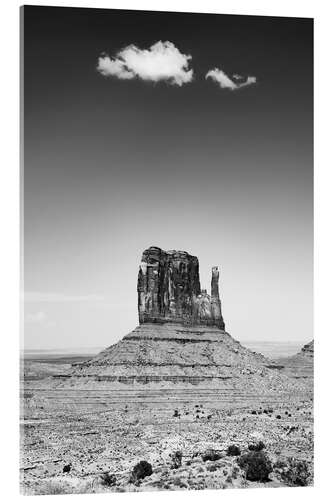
[[9, 276]]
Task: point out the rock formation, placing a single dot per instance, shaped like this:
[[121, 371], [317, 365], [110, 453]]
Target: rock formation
[[169, 290], [181, 336], [308, 349], [299, 366]]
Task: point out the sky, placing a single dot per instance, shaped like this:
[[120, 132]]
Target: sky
[[184, 131]]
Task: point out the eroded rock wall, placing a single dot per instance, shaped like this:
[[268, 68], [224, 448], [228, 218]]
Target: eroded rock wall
[[169, 290]]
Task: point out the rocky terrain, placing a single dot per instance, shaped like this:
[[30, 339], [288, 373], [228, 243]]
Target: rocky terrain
[[175, 394]]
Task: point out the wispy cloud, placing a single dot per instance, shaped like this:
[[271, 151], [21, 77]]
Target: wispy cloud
[[161, 62], [58, 297], [38, 317], [225, 82]]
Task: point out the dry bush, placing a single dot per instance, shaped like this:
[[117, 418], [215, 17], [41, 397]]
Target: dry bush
[[233, 451], [108, 479], [256, 465], [140, 471], [256, 446], [293, 472]]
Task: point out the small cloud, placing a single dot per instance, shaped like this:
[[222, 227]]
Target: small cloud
[[161, 62], [225, 82], [36, 318]]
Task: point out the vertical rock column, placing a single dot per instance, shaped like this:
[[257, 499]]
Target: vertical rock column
[[215, 299], [167, 283], [150, 285]]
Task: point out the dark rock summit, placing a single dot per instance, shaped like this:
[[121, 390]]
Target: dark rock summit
[[169, 290]]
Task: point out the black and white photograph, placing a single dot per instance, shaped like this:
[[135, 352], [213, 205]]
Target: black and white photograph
[[167, 222]]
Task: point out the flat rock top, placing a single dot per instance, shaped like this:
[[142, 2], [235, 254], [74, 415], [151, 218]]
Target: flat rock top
[[180, 253]]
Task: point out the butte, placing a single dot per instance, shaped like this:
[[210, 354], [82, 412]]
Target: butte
[[181, 337]]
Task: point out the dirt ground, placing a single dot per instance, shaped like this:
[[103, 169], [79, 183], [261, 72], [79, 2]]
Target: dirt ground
[[101, 428]]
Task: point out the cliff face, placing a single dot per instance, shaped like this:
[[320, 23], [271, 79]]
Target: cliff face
[[169, 290]]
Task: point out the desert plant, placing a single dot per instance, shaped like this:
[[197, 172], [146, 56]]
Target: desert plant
[[256, 465], [293, 472], [233, 451], [141, 470], [108, 479], [176, 459], [211, 455], [256, 446]]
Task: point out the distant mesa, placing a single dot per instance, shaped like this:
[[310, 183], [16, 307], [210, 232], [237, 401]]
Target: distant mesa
[[169, 290], [300, 365], [308, 349]]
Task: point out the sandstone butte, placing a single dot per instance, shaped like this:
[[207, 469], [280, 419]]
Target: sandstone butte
[[181, 337]]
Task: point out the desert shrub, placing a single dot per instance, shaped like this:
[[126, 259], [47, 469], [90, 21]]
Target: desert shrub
[[253, 412], [176, 459], [211, 455], [256, 446], [293, 472], [141, 470], [256, 465], [176, 413], [108, 479], [233, 451], [278, 416]]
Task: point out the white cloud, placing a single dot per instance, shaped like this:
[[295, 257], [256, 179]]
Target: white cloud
[[162, 62], [225, 82]]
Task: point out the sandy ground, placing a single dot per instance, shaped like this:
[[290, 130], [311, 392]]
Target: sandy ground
[[104, 427]]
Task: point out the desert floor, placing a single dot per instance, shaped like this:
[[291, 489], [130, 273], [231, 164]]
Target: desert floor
[[96, 428]]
